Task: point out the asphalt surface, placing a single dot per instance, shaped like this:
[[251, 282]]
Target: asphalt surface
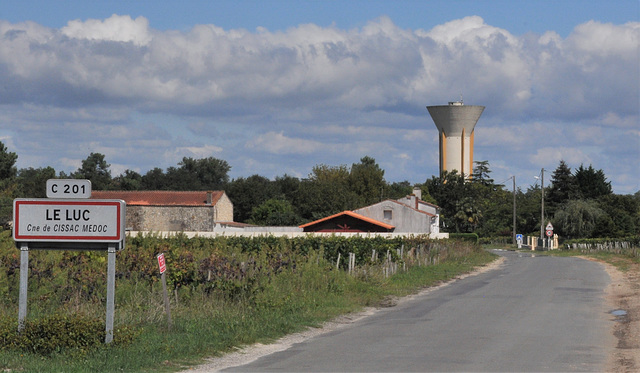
[[532, 314]]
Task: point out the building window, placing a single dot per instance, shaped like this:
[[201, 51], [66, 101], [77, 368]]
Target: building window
[[388, 214]]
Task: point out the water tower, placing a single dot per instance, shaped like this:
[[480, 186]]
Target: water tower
[[455, 123]]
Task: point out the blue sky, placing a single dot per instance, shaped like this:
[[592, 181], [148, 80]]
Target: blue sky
[[518, 17], [276, 87]]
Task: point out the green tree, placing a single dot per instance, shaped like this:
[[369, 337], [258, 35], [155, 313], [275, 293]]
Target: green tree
[[467, 215], [578, 218], [274, 212], [398, 190], [319, 199], [563, 187], [8, 160], [198, 174], [332, 174], [129, 180], [426, 195], [32, 182], [481, 173], [287, 187], [8, 184], [496, 207], [154, 179], [623, 216], [95, 169], [366, 179], [592, 183], [246, 193], [447, 190]]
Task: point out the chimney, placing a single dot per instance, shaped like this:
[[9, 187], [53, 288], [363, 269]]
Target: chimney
[[209, 198], [417, 192]]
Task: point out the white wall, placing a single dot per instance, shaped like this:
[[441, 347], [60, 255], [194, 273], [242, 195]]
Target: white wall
[[237, 233]]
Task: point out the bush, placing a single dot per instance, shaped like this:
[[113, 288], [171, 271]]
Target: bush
[[496, 240], [470, 237], [59, 333]]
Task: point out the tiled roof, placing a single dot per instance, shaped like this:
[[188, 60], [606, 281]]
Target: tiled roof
[[160, 197], [353, 215]]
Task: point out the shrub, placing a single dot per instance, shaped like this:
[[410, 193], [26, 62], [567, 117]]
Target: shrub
[[471, 237], [59, 333]]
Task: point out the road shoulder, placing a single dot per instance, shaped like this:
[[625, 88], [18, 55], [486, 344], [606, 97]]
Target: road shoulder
[[623, 293]]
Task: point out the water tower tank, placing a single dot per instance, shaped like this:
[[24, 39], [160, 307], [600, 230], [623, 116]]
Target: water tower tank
[[455, 123]]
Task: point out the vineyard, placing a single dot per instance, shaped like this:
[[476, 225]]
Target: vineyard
[[224, 291], [629, 246], [227, 266]]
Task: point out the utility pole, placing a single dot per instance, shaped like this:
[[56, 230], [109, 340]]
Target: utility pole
[[542, 203], [514, 209]]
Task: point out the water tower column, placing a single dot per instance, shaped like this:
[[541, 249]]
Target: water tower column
[[455, 123]]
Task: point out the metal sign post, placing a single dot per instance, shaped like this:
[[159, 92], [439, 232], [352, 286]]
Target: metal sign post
[[24, 281], [111, 289]]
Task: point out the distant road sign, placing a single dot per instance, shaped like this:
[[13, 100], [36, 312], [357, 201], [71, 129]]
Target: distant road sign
[[68, 188], [519, 237], [60, 220], [549, 230]]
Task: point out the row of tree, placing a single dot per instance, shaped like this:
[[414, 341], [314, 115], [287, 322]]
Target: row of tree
[[580, 204]]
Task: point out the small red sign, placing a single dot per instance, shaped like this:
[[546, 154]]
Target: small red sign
[[549, 233], [161, 263]]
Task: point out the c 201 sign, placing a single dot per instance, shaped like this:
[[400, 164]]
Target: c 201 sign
[[68, 188]]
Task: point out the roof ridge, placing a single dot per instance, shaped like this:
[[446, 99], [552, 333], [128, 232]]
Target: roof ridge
[[352, 214]]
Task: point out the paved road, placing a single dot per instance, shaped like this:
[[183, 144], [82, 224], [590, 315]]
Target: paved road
[[534, 313]]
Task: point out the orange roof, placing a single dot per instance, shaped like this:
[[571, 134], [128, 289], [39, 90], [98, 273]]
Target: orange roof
[[160, 197], [353, 215]]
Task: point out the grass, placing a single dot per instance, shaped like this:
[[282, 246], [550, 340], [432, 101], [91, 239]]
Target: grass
[[206, 325], [622, 262]]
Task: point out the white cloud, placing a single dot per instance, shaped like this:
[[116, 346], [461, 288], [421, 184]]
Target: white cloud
[[197, 152], [278, 143], [326, 95], [553, 156], [115, 28]]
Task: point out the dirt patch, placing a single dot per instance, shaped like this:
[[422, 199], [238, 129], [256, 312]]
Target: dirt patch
[[248, 354], [623, 294]]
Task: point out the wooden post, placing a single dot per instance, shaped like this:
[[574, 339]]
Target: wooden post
[[165, 295]]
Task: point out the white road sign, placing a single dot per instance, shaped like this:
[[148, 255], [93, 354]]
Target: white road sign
[[51, 220], [68, 188]]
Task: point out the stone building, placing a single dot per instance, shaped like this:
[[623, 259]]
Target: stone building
[[182, 211]]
